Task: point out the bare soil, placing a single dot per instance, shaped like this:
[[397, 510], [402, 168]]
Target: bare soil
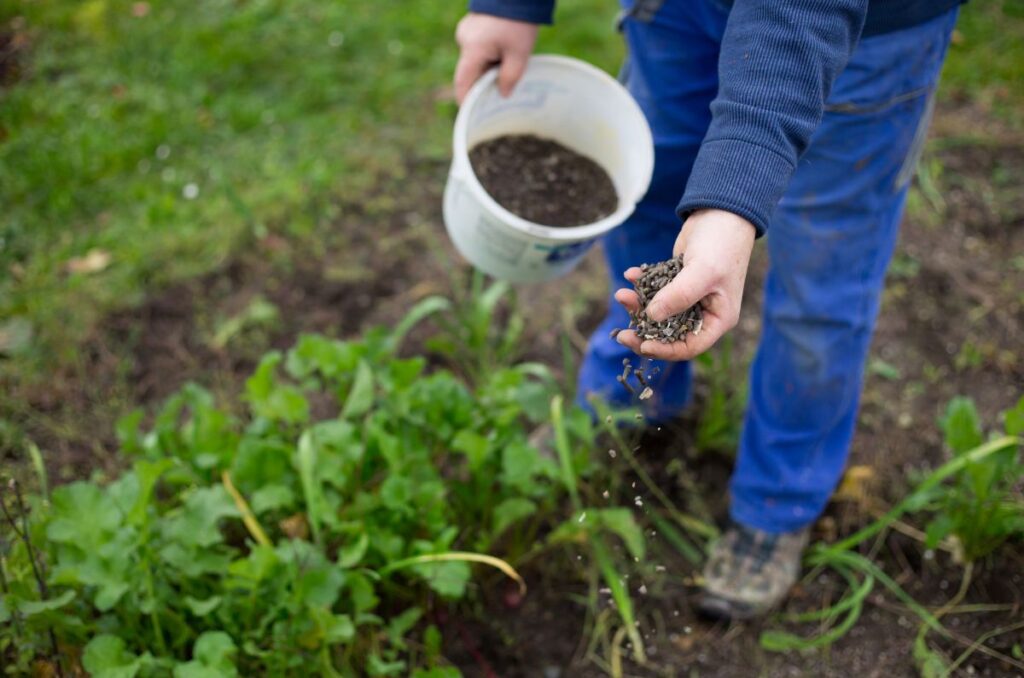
[[952, 323], [543, 181]]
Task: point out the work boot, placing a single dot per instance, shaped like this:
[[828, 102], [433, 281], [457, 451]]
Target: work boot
[[750, 572]]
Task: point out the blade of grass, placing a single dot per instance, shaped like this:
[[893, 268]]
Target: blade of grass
[[40, 468], [306, 461], [859, 591], [564, 455], [979, 643], [852, 604], [686, 521], [676, 539], [862, 564], [422, 310], [248, 517], [623, 603], [466, 556], [604, 560]]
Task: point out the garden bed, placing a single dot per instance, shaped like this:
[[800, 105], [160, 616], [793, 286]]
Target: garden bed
[[214, 329]]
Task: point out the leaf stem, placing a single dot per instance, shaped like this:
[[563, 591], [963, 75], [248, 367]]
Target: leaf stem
[[248, 517], [37, 567]]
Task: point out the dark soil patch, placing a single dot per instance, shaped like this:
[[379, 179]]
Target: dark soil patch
[[8, 56], [543, 181]]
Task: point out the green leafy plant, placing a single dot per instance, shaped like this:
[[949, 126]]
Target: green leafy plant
[[309, 534], [978, 484], [721, 416], [480, 332], [980, 508]]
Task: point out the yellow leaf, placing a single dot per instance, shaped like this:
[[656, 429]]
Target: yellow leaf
[[855, 484]]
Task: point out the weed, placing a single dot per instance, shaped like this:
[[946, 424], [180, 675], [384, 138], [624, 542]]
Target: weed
[[285, 542], [977, 506], [721, 417], [980, 508], [479, 334]]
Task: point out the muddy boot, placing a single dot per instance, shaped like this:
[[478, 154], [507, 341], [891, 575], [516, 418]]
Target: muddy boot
[[750, 572]]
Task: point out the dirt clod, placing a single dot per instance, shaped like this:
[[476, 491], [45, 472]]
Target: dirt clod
[[543, 181]]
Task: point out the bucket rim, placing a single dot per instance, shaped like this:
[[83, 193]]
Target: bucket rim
[[463, 169]]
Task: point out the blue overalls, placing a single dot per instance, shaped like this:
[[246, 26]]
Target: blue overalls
[[829, 244]]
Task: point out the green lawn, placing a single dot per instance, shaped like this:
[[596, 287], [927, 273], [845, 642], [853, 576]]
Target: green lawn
[[161, 137]]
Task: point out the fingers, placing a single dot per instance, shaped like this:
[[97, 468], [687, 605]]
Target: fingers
[[513, 65], [688, 349], [691, 285], [633, 273], [472, 64], [629, 299]]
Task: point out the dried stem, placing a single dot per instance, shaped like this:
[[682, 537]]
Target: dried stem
[[37, 565]]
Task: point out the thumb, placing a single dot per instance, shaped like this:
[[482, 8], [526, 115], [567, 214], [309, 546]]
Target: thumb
[[689, 286], [513, 65]]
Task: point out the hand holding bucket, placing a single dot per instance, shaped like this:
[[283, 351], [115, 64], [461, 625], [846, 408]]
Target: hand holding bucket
[[574, 104]]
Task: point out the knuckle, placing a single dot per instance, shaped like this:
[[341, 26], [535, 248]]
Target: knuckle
[[716, 270]]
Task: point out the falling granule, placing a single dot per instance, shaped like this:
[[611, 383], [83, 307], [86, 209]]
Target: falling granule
[[638, 417], [659, 568], [583, 516], [638, 501], [612, 453], [643, 589], [646, 393]]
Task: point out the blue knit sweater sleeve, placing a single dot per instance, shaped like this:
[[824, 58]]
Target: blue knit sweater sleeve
[[533, 11], [778, 61]]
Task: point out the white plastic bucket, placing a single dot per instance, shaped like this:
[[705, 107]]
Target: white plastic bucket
[[568, 101]]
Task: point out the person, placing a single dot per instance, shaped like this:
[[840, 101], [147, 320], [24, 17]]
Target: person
[[798, 120]]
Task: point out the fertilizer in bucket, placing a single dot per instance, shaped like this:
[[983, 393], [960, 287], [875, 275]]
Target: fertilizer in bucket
[[542, 181], [539, 176]]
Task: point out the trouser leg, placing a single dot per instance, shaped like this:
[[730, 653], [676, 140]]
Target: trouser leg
[[671, 71], [829, 245]]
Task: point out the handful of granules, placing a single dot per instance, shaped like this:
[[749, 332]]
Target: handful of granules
[[674, 328]]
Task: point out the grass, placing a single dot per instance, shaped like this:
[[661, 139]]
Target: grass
[[167, 139], [164, 136], [986, 60]]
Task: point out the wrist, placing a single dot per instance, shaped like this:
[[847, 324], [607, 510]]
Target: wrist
[[722, 221]]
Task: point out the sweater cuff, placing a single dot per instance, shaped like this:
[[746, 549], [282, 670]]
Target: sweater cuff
[[739, 177], [530, 11]]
